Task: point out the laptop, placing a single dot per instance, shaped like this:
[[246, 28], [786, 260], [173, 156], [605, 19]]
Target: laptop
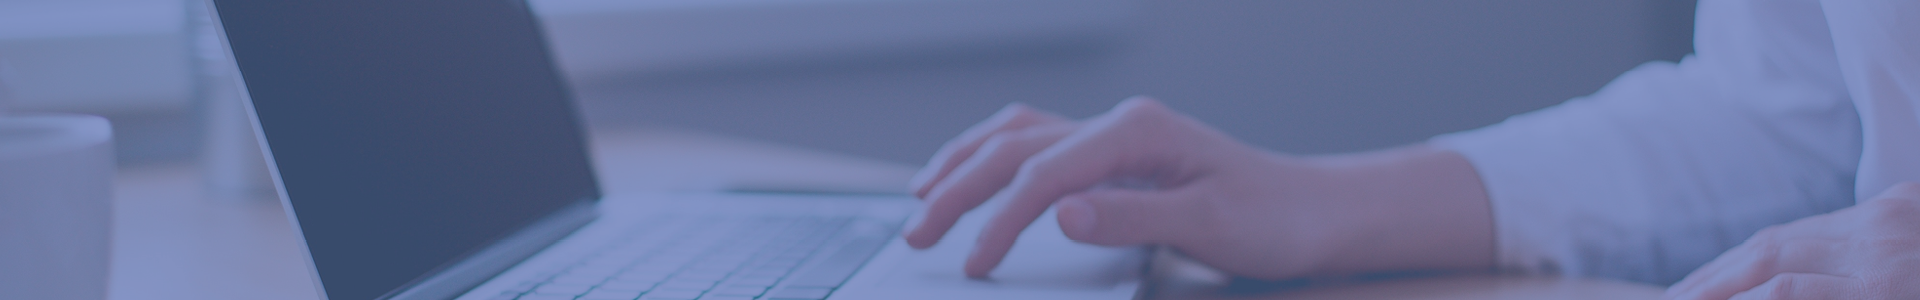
[[428, 149]]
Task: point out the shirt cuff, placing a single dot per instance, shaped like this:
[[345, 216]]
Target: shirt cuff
[[1523, 221]]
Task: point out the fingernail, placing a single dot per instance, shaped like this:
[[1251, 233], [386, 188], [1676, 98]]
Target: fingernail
[[918, 185], [912, 235], [1076, 218]]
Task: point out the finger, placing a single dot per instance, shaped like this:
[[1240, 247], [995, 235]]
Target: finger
[[979, 177], [1691, 286], [1121, 217], [1742, 255], [1072, 165], [1903, 190], [1808, 286], [1748, 252], [1756, 262], [1013, 117]]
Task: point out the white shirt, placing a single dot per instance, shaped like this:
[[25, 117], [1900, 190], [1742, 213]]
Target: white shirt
[[1787, 109]]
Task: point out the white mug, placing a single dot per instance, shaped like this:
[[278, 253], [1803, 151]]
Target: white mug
[[56, 180]]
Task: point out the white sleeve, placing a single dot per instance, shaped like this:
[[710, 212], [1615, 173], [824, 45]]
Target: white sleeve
[[1655, 175], [1877, 45], [1671, 164]]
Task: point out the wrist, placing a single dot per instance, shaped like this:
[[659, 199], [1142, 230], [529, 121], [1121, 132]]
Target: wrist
[[1409, 208]]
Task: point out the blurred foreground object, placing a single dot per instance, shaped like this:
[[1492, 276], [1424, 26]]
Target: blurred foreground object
[[56, 177]]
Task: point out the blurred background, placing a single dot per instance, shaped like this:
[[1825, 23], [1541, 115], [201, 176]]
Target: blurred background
[[893, 79]]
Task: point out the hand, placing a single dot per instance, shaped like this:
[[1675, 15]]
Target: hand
[[1869, 251], [1144, 174]]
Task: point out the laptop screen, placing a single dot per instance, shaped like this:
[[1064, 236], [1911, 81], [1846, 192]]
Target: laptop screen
[[407, 133]]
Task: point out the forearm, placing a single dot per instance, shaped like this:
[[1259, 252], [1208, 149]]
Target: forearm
[[1416, 208]]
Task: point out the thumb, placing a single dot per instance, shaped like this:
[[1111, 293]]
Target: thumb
[[1118, 217]]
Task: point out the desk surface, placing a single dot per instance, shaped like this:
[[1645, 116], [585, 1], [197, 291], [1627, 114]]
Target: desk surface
[[172, 241]]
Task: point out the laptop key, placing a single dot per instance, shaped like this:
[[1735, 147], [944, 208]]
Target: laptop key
[[610, 295], [753, 281], [687, 284], [835, 269], [671, 295], [626, 286], [738, 291], [799, 293], [702, 275], [562, 289], [522, 288], [762, 274], [781, 264], [573, 279], [641, 277]]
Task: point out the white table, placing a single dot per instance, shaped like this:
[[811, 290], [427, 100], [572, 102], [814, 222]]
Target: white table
[[172, 241]]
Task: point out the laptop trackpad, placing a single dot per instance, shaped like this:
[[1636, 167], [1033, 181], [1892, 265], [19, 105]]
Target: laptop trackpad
[[1043, 259]]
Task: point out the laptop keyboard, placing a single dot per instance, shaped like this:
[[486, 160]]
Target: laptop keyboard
[[716, 258]]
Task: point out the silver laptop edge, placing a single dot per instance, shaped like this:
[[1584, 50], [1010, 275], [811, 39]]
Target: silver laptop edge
[[259, 134]]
